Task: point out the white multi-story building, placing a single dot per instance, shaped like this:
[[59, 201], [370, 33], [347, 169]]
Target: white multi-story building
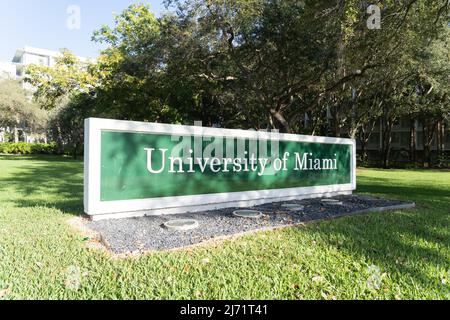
[[30, 55], [27, 56]]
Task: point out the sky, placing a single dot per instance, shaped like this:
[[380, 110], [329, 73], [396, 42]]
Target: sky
[[44, 24]]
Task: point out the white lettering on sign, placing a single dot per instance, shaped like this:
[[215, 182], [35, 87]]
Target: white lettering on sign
[[303, 162], [308, 162]]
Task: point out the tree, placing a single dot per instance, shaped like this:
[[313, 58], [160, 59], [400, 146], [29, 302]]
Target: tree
[[17, 112], [52, 83], [66, 124], [299, 66], [66, 90], [431, 97], [255, 63], [131, 68]]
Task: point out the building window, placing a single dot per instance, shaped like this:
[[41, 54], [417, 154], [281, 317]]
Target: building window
[[374, 140], [395, 138], [419, 139], [405, 123], [405, 139]]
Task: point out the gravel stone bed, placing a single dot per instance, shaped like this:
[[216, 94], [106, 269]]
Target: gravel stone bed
[[148, 233]]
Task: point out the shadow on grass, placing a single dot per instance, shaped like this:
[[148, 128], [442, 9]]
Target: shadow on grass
[[48, 181], [401, 243]]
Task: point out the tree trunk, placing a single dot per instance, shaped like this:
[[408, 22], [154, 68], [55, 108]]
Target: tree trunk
[[75, 151], [426, 153], [364, 141], [336, 124], [363, 151], [387, 140], [59, 141], [283, 124], [353, 132], [428, 132], [413, 142], [440, 136], [16, 135]]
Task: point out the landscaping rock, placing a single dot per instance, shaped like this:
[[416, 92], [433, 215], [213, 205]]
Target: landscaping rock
[[248, 214], [146, 233]]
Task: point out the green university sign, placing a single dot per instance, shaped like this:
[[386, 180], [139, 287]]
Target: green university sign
[[135, 169]]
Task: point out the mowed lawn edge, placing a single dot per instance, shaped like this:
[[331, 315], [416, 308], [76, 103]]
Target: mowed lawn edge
[[395, 255]]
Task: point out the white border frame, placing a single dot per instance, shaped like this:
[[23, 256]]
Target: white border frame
[[98, 209]]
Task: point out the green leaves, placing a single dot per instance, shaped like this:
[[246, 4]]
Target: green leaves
[[16, 110], [69, 75], [311, 67]]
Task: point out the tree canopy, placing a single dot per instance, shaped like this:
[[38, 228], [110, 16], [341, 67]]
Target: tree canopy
[[16, 111], [309, 66]]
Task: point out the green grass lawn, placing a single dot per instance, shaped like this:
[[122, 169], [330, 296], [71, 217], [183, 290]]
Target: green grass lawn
[[396, 255]]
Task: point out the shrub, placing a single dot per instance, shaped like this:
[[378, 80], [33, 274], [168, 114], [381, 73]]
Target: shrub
[[27, 148], [442, 161], [362, 163], [41, 148]]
